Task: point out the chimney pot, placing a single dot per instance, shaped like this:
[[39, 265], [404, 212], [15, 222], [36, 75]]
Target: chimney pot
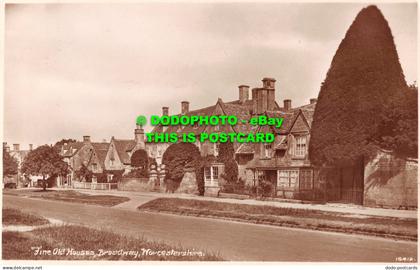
[[16, 147], [243, 93], [86, 138], [269, 83], [165, 111], [313, 100], [287, 104], [30, 147], [185, 107]]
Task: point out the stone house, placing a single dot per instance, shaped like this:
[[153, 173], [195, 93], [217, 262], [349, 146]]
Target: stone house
[[87, 153], [117, 159], [385, 181], [19, 154], [280, 163]]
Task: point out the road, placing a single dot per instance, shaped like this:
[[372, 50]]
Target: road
[[231, 240]]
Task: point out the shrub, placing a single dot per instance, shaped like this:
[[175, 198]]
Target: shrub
[[140, 163], [178, 157]]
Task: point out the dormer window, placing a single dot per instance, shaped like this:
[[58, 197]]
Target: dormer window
[[267, 150]]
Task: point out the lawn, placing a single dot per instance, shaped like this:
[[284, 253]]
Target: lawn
[[68, 196], [71, 242], [16, 217], [396, 228]]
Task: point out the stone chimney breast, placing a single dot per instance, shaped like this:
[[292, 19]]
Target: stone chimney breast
[[185, 107], [243, 93], [15, 147], [269, 83], [287, 104], [165, 111]]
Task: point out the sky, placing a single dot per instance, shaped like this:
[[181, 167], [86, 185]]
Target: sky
[[91, 69]]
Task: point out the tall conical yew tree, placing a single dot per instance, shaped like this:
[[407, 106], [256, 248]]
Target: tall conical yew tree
[[365, 79]]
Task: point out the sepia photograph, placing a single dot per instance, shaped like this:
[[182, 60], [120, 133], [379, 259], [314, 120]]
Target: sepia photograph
[[209, 132]]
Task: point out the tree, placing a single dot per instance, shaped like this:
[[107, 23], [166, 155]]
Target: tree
[[398, 131], [46, 162], [84, 173], [227, 157], [10, 164], [364, 80], [178, 157], [59, 144], [140, 163]]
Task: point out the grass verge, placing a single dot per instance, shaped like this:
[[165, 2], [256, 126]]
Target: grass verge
[[71, 242], [69, 196], [396, 228], [16, 217]]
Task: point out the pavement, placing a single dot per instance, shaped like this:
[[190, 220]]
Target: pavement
[[231, 240], [139, 198]]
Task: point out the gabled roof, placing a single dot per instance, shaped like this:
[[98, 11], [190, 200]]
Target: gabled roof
[[68, 150], [123, 147], [288, 120], [243, 111], [101, 149], [245, 148]]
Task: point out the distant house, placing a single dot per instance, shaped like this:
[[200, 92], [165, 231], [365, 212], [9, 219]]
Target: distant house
[[19, 155], [85, 153], [118, 156]]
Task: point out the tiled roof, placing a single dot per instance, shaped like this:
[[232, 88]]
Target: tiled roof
[[70, 147], [288, 120], [101, 149], [281, 143], [243, 112], [246, 148], [196, 129], [123, 147]]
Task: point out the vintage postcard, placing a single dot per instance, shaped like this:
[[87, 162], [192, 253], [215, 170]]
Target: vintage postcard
[[210, 132]]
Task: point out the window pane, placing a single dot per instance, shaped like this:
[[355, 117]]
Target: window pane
[[306, 180], [215, 172], [294, 178], [288, 178], [207, 173], [283, 179], [300, 149]]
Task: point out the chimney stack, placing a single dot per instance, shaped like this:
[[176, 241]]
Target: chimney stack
[[243, 93], [185, 107], [264, 98], [139, 137], [30, 147], [313, 100], [15, 147], [86, 139], [268, 83], [165, 111], [287, 104]]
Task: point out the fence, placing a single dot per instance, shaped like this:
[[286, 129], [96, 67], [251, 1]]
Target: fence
[[96, 186]]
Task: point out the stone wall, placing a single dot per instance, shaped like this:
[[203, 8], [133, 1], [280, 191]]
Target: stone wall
[[390, 182], [135, 184], [188, 183]]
